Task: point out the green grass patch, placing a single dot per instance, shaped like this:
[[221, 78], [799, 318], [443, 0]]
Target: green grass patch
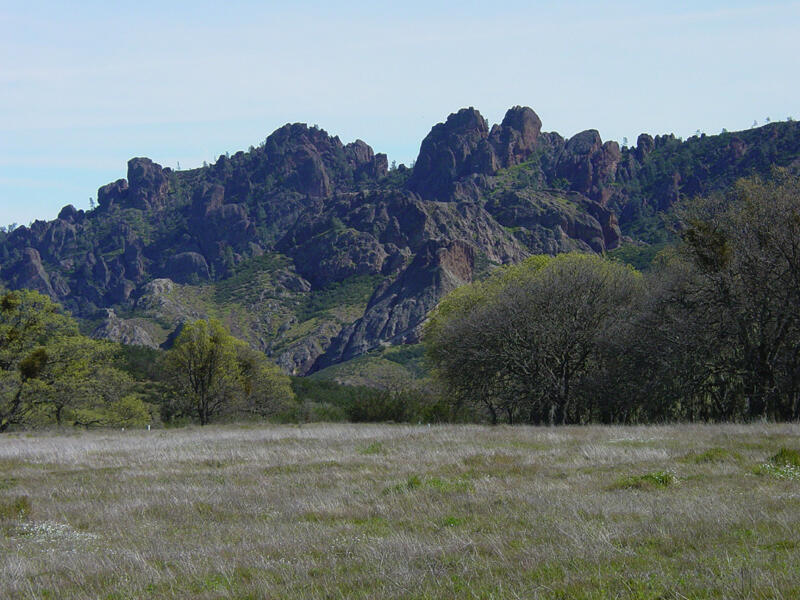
[[786, 456], [712, 455], [373, 448], [353, 290], [7, 483], [439, 484], [784, 464], [413, 482], [15, 508], [448, 486], [451, 521], [648, 481]]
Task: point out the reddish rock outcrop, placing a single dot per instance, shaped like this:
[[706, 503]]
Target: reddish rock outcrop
[[515, 139]]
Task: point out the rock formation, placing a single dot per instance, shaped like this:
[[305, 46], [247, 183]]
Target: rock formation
[[314, 252]]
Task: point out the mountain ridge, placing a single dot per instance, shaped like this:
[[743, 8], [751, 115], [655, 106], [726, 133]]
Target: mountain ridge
[[315, 252]]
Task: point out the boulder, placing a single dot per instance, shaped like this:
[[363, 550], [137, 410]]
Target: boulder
[[338, 255], [113, 193], [148, 184], [217, 224], [57, 239], [359, 153], [589, 165], [575, 164], [301, 157], [123, 331], [187, 267], [299, 357], [69, 214], [644, 146]]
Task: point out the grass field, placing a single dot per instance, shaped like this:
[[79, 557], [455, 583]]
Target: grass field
[[390, 511]]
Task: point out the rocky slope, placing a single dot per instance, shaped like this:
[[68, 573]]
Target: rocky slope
[[314, 252]]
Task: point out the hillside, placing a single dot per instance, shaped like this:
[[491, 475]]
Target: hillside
[[315, 252]]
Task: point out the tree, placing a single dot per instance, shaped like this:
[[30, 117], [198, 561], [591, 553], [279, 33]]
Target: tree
[[721, 310], [523, 343], [210, 372], [29, 322], [111, 400], [48, 371], [744, 249], [70, 377], [264, 390], [458, 343]]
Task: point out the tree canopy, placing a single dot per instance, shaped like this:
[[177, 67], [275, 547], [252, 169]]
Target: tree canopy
[[522, 342], [210, 373], [51, 373], [712, 332]]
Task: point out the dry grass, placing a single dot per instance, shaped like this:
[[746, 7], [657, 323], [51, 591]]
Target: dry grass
[[389, 511]]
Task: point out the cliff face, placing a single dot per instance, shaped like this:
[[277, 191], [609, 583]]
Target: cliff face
[[314, 252]]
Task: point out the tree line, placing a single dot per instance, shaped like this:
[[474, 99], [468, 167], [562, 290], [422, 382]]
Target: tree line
[[51, 374], [711, 332]]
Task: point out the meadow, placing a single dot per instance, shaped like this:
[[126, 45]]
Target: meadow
[[397, 511]]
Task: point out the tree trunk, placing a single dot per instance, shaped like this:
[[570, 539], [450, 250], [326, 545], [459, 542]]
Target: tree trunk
[[492, 413], [15, 404]]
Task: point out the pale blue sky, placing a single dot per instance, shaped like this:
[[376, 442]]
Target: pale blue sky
[[86, 85]]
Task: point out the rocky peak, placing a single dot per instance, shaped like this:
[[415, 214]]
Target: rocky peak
[[589, 165], [147, 184], [299, 153], [575, 163], [69, 214], [327, 216], [293, 135], [584, 143], [364, 161], [359, 153], [644, 145], [113, 193], [514, 140], [145, 188], [453, 149]]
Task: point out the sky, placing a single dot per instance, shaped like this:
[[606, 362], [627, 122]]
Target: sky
[[84, 86]]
